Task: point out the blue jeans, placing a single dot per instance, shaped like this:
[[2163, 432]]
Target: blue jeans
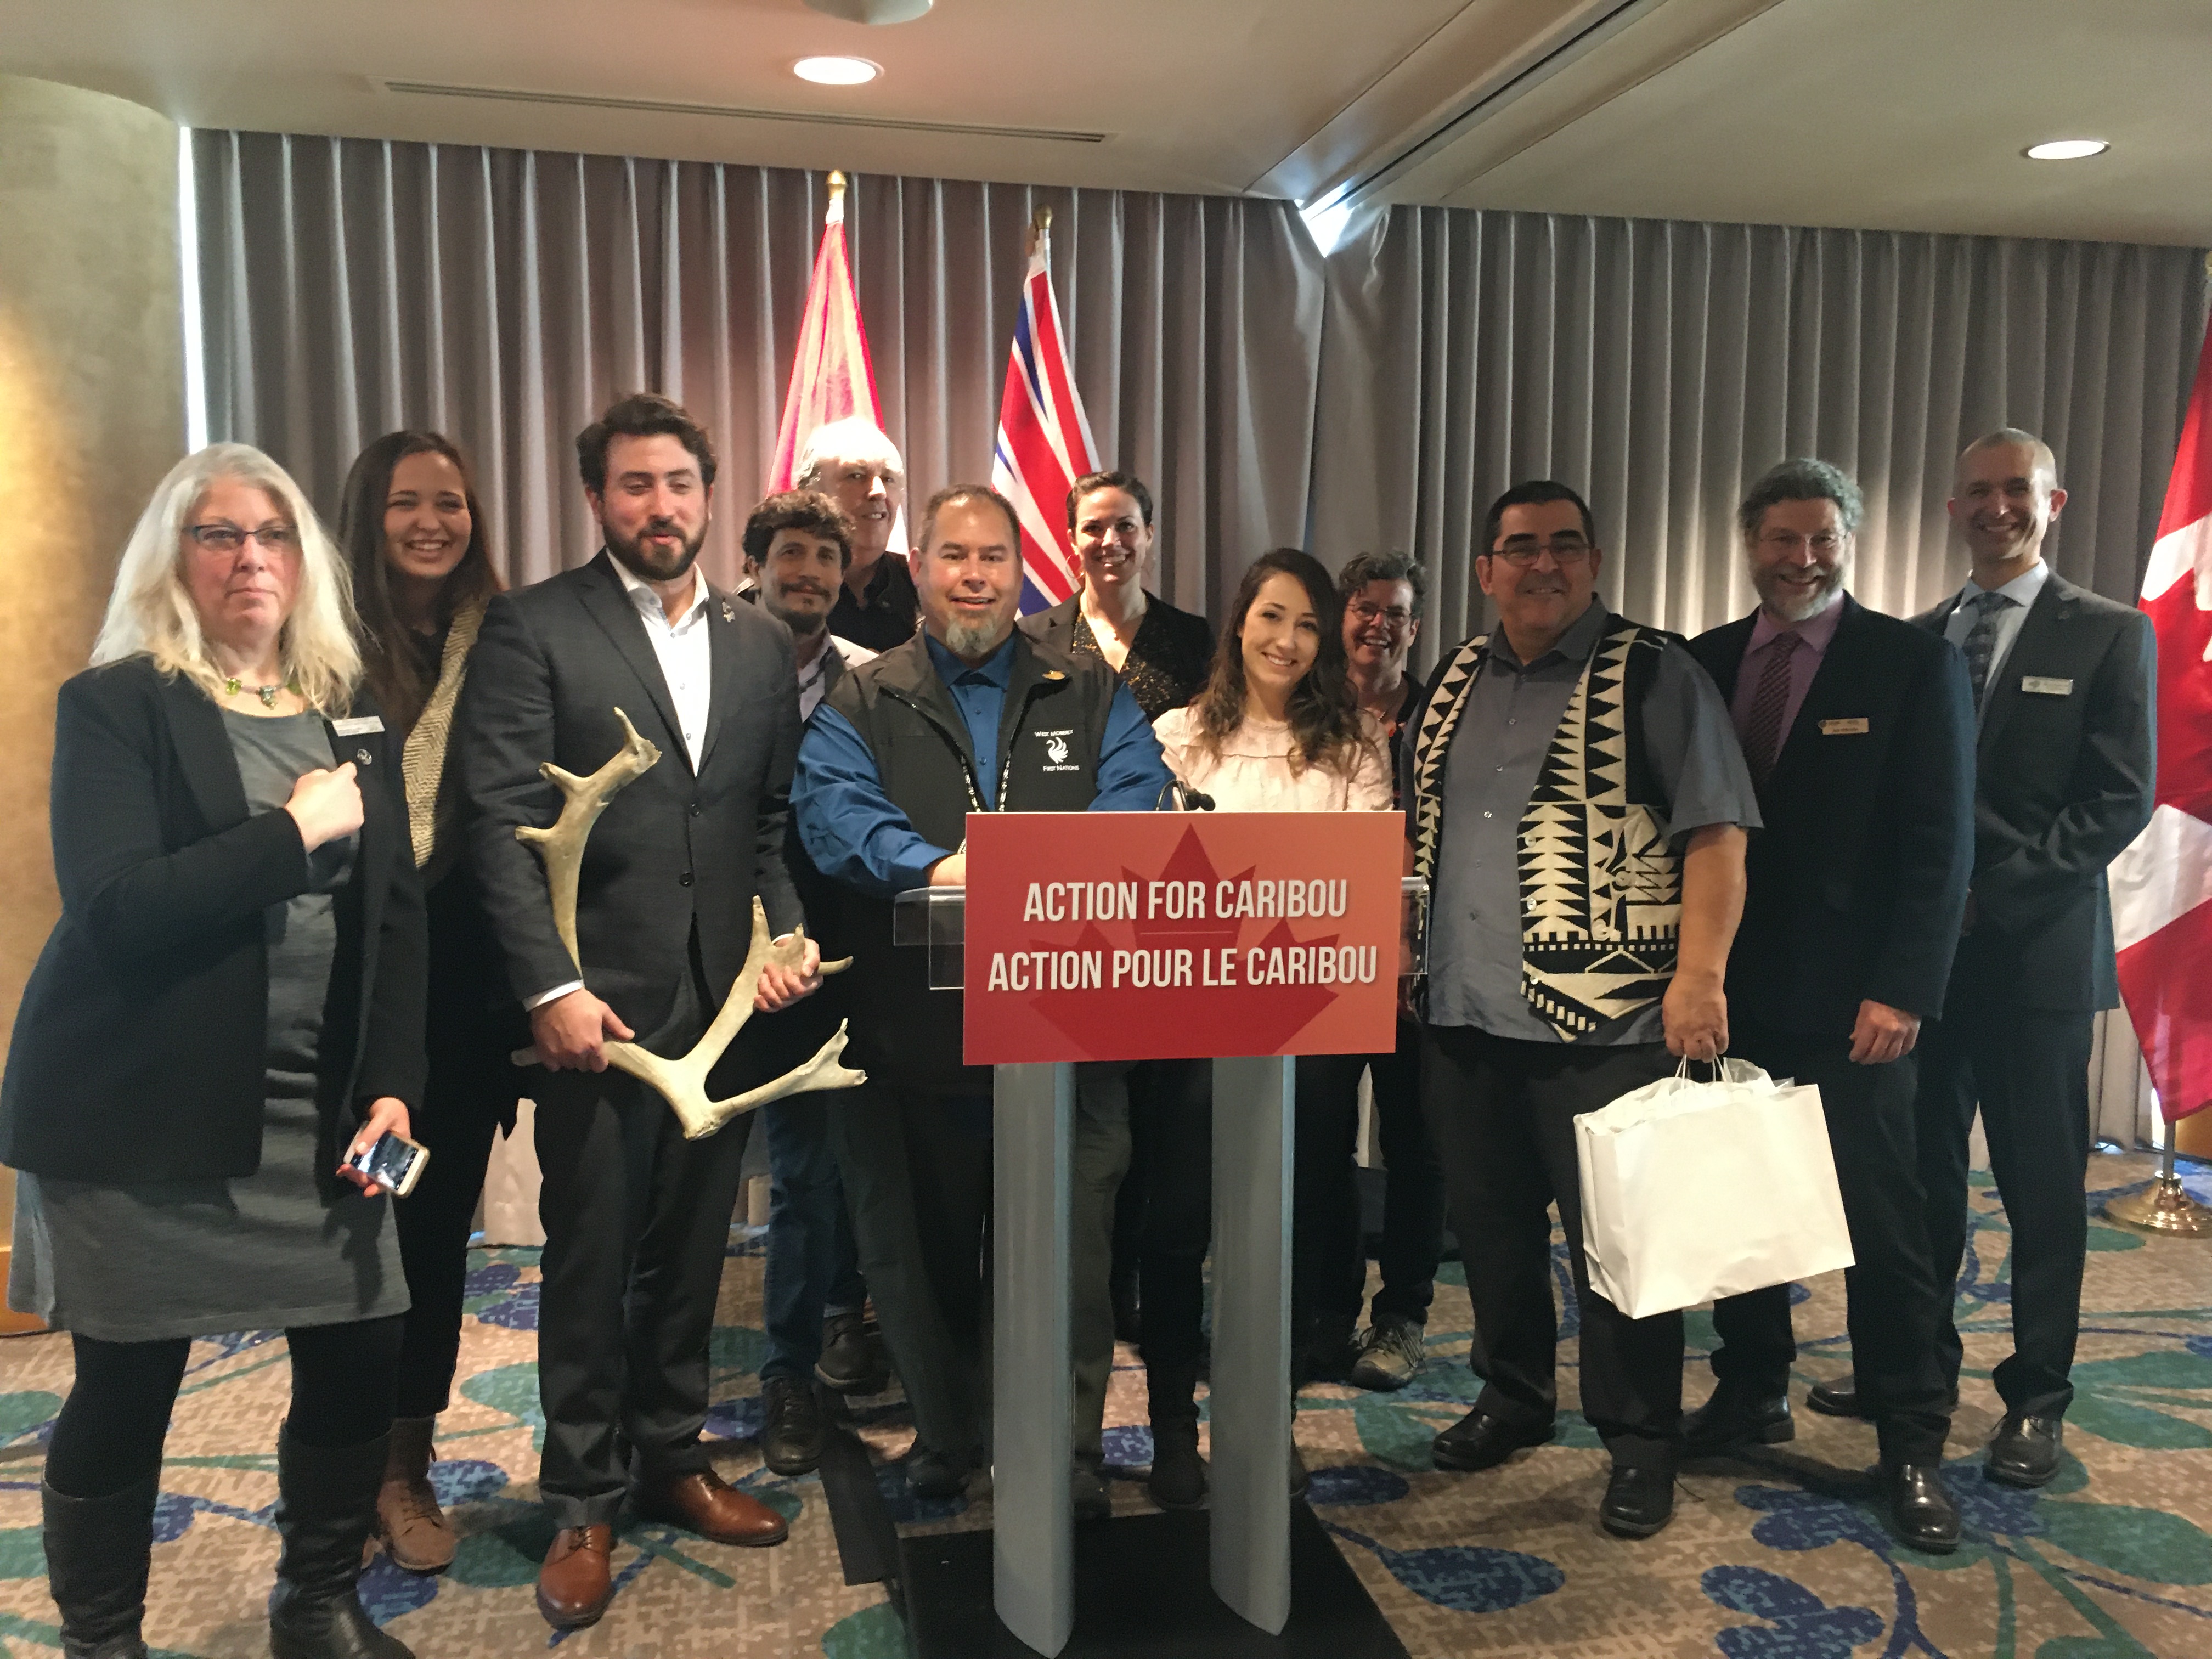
[[812, 1264]]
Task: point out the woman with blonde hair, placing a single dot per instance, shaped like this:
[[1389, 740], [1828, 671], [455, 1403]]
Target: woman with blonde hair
[[229, 1009]]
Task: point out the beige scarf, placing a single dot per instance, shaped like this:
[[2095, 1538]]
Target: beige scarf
[[434, 802]]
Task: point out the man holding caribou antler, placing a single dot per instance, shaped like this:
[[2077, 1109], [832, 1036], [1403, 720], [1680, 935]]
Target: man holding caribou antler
[[660, 909]]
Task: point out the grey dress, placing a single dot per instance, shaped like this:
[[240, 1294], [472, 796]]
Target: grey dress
[[200, 1258]]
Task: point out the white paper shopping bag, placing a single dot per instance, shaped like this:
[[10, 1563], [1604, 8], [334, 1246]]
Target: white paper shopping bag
[[1694, 1190]]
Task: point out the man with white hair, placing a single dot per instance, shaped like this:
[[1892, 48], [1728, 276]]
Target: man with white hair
[[857, 466]]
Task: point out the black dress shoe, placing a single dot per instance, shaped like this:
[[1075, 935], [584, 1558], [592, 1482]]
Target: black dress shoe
[[1920, 1508], [791, 1429], [1736, 1415], [934, 1473], [1841, 1399], [1638, 1501], [2025, 1452], [1479, 1441], [1838, 1399], [852, 1355]]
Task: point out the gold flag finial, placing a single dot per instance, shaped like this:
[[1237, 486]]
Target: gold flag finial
[[836, 213], [1040, 228]]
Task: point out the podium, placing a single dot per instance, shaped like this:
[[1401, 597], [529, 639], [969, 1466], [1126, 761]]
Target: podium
[[1249, 1531]]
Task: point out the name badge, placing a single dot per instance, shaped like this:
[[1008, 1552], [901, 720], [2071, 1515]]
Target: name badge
[[1855, 727], [360, 727], [2039, 686]]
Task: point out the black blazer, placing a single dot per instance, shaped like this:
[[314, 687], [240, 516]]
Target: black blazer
[[141, 1049], [1857, 884], [2063, 782], [1169, 660], [673, 850]]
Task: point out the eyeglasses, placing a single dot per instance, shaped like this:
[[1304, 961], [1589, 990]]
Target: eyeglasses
[[1369, 613], [1564, 550], [228, 538], [1823, 542]]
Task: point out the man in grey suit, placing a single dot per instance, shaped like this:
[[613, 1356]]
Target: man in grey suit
[[2063, 683], [636, 1217]]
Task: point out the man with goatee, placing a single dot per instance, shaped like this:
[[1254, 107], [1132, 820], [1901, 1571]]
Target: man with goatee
[[637, 1217], [1859, 730]]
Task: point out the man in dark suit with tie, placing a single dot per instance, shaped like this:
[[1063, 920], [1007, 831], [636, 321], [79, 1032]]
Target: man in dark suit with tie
[[637, 1217], [2063, 682], [1859, 730]]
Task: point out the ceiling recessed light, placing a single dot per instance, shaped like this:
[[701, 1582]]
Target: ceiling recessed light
[[2066, 149], [836, 71]]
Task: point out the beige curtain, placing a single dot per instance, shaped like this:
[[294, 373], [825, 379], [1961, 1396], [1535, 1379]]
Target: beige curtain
[[350, 287]]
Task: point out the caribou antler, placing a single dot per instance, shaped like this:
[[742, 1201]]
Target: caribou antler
[[681, 1083]]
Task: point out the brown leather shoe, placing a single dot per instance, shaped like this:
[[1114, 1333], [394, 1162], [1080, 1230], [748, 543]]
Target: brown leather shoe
[[707, 1504], [576, 1582]]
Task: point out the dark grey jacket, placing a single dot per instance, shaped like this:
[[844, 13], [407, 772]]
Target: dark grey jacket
[[673, 850], [2063, 783]]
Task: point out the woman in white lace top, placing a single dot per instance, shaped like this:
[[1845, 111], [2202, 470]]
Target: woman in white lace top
[[1277, 728]]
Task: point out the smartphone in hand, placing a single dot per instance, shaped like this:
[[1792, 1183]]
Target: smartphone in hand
[[393, 1161]]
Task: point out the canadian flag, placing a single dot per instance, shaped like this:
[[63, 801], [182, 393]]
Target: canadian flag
[[831, 377], [2162, 884]]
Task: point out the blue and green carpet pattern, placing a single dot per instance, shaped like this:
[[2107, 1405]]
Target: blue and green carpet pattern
[[1779, 1555]]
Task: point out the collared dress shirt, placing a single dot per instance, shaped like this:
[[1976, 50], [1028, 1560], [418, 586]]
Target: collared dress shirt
[[1813, 634], [855, 834], [884, 616], [2020, 592], [1497, 751], [684, 651]]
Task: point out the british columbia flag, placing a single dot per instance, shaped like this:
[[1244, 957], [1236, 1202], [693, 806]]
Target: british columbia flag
[[1044, 438]]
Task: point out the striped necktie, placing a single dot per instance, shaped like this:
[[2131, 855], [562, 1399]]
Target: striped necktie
[[1762, 727], [1982, 642]]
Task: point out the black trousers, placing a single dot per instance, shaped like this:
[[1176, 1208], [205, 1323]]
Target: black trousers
[[112, 1427], [2029, 1070], [637, 1222], [1894, 1295], [1176, 1142], [1501, 1113], [435, 1222], [1329, 1259]]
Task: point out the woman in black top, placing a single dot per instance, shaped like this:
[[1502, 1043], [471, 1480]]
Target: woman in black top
[[1162, 654], [422, 576], [230, 1004]]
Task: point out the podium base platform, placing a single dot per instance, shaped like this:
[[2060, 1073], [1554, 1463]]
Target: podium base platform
[[1141, 1588]]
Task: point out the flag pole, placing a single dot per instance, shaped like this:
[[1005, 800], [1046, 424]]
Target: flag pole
[[2163, 1207]]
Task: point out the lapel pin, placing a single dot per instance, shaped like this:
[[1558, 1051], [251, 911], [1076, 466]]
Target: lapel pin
[[728, 614]]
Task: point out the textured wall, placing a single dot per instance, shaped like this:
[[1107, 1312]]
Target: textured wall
[[91, 415]]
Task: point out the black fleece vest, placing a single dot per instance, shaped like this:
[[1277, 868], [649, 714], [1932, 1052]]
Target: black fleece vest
[[1050, 732]]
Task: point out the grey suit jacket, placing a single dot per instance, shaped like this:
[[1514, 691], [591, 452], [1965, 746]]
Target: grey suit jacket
[[673, 851], [2064, 766]]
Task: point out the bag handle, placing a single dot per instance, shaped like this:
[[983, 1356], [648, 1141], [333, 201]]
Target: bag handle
[[1683, 1070]]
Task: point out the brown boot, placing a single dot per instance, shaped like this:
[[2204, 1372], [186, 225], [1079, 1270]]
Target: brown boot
[[415, 1530]]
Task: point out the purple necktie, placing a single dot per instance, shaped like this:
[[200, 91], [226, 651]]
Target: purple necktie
[[1762, 729]]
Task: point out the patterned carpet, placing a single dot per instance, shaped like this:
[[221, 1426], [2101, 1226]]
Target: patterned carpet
[[1779, 1556]]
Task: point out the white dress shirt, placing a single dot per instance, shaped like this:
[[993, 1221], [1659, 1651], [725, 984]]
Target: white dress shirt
[[2021, 591], [684, 651]]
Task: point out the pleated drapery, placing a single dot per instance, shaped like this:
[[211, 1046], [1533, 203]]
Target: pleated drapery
[[504, 297], [1376, 399]]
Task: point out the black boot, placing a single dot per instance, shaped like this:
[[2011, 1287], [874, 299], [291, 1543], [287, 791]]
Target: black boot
[[326, 1507], [98, 1550], [1178, 1477]]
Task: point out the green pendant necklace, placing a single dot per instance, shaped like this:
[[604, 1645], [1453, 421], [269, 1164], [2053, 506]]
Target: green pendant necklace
[[267, 693]]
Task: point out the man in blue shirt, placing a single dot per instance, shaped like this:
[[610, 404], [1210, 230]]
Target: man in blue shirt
[[968, 716]]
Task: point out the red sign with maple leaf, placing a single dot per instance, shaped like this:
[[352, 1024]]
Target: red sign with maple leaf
[[1159, 936]]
